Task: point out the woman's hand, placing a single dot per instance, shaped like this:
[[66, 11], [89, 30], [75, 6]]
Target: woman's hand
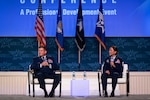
[[107, 72]]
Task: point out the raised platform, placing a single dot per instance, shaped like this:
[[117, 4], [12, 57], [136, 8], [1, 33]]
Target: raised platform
[[15, 83]]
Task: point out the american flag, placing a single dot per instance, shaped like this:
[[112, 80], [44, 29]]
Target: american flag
[[79, 38], [39, 26], [100, 29], [59, 30]]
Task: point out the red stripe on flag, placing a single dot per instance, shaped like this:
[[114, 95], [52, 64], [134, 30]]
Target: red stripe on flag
[[39, 28]]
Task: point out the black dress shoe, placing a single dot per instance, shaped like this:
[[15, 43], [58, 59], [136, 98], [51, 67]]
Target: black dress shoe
[[105, 94], [112, 94], [51, 94], [46, 95], [45, 92]]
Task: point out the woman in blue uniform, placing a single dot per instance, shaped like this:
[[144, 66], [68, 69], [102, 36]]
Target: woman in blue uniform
[[112, 68]]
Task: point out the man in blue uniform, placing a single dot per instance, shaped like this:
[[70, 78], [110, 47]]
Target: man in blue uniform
[[44, 67], [112, 68]]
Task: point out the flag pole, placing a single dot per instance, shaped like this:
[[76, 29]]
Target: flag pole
[[58, 56], [79, 58], [38, 47], [100, 53], [100, 49]]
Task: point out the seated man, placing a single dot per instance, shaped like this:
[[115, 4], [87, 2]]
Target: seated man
[[112, 69], [44, 67]]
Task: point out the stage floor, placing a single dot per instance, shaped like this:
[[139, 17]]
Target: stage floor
[[132, 97]]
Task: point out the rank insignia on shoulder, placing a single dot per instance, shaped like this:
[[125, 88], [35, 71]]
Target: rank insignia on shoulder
[[118, 61], [107, 60]]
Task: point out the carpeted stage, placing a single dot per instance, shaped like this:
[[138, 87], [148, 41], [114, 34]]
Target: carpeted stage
[[133, 97]]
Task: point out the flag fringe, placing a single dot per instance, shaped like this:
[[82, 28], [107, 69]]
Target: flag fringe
[[61, 49], [40, 41], [79, 46], [100, 41]]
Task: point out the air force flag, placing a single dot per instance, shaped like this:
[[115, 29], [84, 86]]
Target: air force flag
[[59, 30]]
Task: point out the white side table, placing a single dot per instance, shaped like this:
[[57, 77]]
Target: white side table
[[80, 88]]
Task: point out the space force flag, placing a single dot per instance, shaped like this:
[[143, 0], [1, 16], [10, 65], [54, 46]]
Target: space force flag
[[100, 29]]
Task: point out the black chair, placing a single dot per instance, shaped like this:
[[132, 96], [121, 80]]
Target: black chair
[[123, 80], [32, 77]]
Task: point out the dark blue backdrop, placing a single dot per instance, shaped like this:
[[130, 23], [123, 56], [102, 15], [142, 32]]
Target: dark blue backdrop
[[16, 53]]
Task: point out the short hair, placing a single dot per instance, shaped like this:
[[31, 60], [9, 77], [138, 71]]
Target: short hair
[[115, 49], [43, 47]]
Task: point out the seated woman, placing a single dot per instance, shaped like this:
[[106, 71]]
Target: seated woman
[[112, 69]]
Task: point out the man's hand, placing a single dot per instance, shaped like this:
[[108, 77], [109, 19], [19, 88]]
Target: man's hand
[[107, 72], [44, 63]]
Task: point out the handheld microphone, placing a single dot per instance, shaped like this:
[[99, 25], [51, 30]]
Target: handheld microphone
[[111, 60]]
